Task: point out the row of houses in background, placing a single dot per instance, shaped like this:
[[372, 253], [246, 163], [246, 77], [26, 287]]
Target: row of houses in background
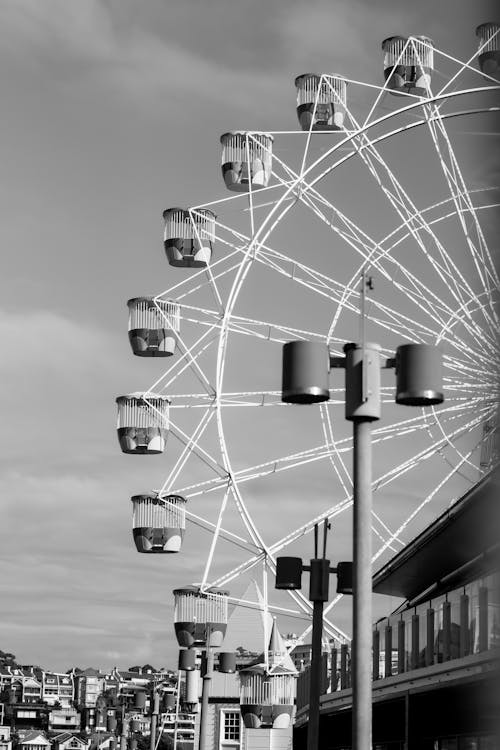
[[81, 700]]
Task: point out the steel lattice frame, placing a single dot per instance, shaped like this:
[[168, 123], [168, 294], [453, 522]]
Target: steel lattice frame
[[468, 315]]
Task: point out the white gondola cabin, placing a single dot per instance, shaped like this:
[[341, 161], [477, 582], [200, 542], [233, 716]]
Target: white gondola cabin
[[200, 616], [408, 64], [246, 160], [142, 423], [189, 236], [321, 101], [489, 48], [267, 691], [158, 523], [152, 326]]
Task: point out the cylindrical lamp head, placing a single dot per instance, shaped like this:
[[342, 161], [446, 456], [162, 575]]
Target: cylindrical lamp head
[[305, 372], [344, 578], [419, 379], [169, 702], [140, 699], [187, 659], [227, 662], [319, 579], [288, 573]]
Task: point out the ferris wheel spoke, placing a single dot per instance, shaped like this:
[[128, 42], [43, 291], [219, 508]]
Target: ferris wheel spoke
[[202, 454], [199, 279], [406, 209], [335, 458], [463, 66], [478, 248], [215, 537], [368, 249], [296, 596], [189, 446], [377, 484], [189, 359], [225, 534], [424, 502]]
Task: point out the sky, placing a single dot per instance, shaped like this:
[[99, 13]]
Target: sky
[[111, 112]]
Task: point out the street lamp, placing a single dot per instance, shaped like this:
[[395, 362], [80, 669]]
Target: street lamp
[[418, 383], [289, 577], [187, 662]]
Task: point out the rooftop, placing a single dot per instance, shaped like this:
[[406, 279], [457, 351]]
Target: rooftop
[[461, 544]]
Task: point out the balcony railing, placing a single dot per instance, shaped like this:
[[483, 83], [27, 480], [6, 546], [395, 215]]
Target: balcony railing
[[457, 624]]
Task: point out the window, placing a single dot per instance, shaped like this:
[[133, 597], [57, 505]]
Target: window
[[231, 725]]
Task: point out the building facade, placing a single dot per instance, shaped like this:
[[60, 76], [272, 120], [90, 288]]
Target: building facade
[[435, 658]]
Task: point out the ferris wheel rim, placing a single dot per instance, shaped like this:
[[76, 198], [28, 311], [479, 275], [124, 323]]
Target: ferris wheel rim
[[245, 265]]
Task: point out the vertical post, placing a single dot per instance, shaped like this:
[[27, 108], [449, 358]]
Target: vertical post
[[415, 640], [315, 674], [483, 618], [154, 719], [376, 655], [446, 631], [343, 666], [401, 647], [334, 677], [177, 701], [464, 625], [123, 736], [429, 639], [388, 651], [205, 692], [362, 583]]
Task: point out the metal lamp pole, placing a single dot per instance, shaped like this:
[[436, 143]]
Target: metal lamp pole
[[154, 718], [306, 366], [289, 576], [318, 594], [207, 667]]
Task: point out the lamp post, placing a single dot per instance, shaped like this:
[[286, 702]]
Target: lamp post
[[418, 383], [207, 667], [289, 576], [187, 662]]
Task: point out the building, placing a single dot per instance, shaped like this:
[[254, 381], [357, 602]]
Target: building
[[28, 715], [5, 738], [68, 741], [57, 688], [34, 740], [437, 685], [62, 719], [89, 684]]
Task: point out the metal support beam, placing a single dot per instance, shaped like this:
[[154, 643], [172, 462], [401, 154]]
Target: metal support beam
[[315, 673], [205, 693], [362, 587]]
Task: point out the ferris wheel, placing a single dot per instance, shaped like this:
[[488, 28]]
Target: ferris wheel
[[373, 219]]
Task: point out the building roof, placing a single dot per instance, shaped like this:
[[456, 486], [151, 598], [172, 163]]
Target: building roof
[[59, 739], [35, 737], [278, 659], [461, 544], [246, 623]]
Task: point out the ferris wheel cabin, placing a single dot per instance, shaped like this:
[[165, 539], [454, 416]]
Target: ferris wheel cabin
[[189, 236], [142, 424], [246, 160], [200, 617], [408, 64], [489, 44], [266, 699], [152, 326], [158, 523], [321, 101]]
